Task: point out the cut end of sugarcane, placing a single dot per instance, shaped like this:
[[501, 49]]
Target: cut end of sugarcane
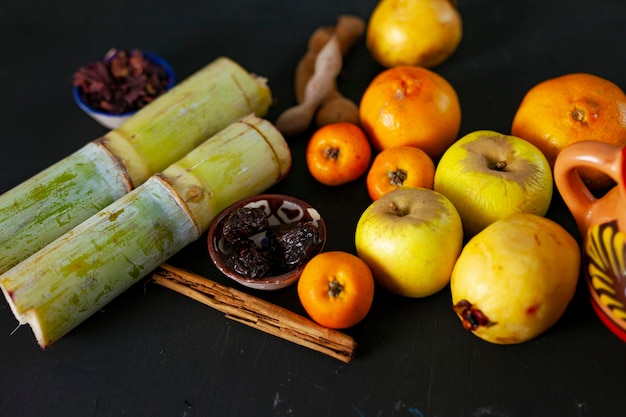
[[27, 318], [14, 309], [31, 318], [253, 86]]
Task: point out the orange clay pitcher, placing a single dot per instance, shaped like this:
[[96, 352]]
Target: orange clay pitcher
[[602, 224]]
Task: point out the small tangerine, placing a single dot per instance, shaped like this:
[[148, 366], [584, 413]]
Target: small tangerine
[[336, 289]]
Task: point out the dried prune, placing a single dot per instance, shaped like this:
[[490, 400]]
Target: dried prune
[[249, 260], [257, 249], [244, 223], [296, 242]]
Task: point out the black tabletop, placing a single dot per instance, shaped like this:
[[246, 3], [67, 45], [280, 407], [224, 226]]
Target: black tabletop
[[154, 352]]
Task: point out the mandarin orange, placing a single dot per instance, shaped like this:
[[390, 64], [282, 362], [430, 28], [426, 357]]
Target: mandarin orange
[[336, 289], [397, 167], [569, 108], [410, 106], [338, 153]]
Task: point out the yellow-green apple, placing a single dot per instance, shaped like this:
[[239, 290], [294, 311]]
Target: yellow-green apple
[[515, 278], [410, 238], [489, 176]]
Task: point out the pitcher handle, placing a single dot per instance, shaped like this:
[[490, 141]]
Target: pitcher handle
[[593, 154]]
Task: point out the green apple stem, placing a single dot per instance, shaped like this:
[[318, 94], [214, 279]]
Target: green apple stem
[[395, 209], [500, 165]]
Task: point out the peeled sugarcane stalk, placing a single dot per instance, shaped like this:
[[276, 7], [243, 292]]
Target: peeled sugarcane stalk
[[68, 280], [49, 204]]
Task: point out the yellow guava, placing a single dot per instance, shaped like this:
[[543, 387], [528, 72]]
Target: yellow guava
[[413, 32], [515, 278]]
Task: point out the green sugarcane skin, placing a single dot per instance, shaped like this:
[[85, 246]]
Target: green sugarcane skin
[[40, 209], [239, 161], [51, 203], [77, 274], [62, 284]]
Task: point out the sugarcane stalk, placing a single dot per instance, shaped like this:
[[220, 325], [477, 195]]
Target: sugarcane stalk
[[52, 202], [196, 109], [218, 173], [35, 212], [61, 285], [74, 276]]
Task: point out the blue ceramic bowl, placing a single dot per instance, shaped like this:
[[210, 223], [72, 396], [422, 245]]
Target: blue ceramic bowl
[[113, 121]]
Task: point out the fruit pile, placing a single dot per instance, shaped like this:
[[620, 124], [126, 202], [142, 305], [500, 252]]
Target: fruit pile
[[466, 212]]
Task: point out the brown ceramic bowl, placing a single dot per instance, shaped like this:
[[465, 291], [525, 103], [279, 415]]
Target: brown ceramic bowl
[[280, 209]]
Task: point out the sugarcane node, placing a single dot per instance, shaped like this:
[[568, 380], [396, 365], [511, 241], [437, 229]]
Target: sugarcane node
[[194, 194]]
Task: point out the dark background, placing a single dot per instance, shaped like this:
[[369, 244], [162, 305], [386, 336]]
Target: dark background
[[153, 352]]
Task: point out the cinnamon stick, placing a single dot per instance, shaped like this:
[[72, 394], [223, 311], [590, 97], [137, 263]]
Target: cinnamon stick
[[257, 313]]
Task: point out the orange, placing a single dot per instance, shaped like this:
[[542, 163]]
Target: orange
[[338, 153], [336, 289], [573, 107], [410, 106], [397, 167]]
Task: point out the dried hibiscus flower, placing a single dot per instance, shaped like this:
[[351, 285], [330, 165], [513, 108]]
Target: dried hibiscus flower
[[124, 81]]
